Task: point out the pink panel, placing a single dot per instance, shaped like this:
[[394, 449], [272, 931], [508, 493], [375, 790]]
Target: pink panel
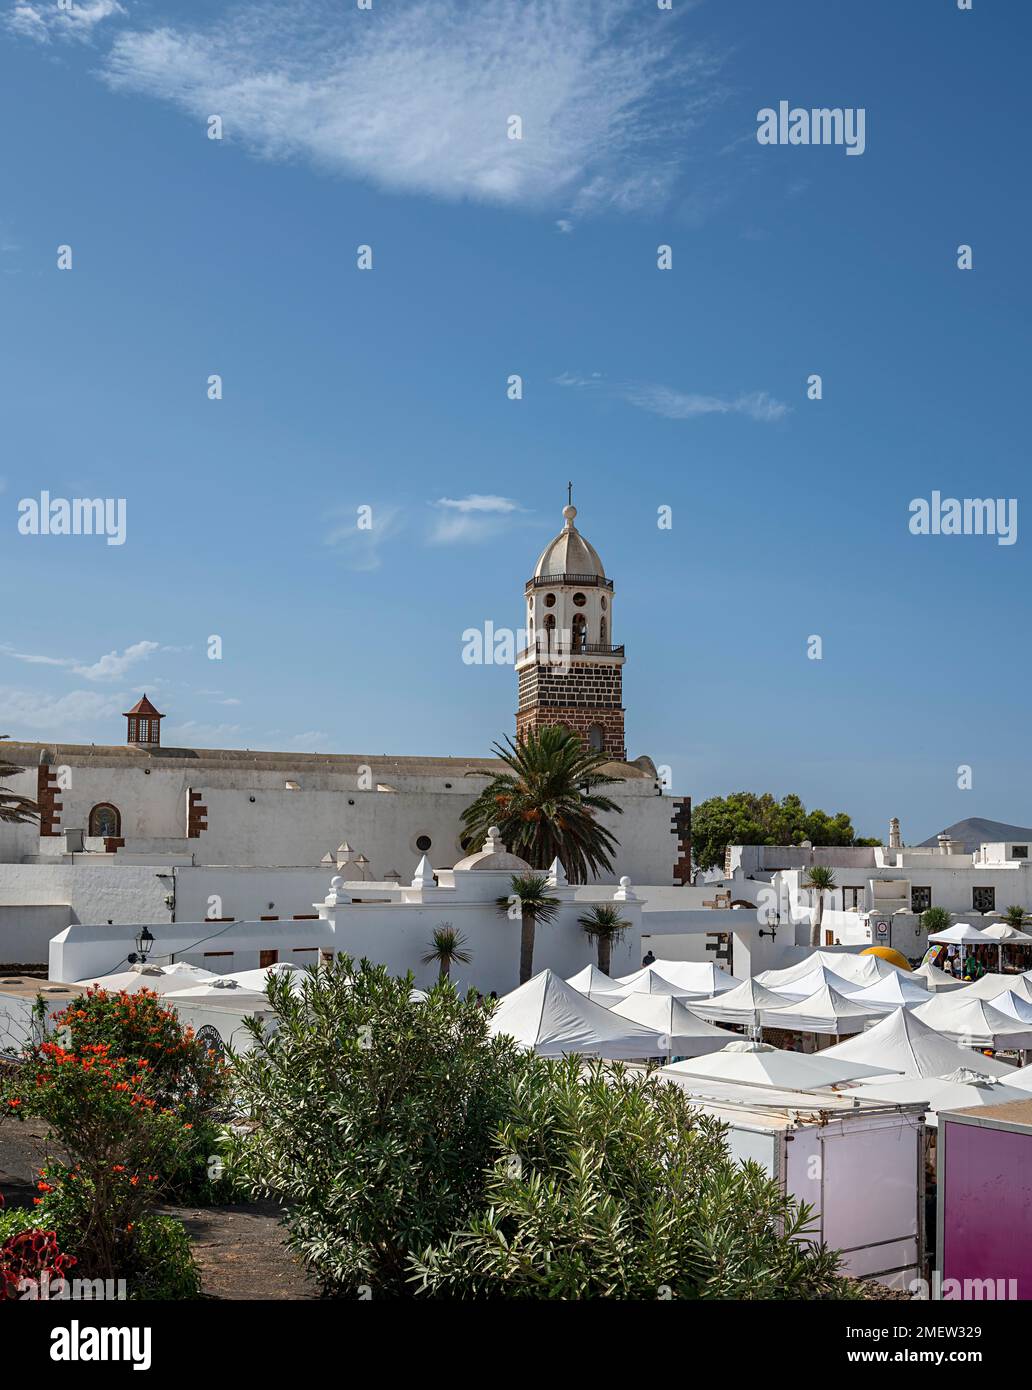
[[987, 1228]]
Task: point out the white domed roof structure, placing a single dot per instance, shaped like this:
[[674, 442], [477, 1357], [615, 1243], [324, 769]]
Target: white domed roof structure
[[569, 553], [494, 857]]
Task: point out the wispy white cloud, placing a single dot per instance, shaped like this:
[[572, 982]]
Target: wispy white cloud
[[687, 405], [114, 665], [110, 667], [43, 21], [477, 517], [70, 716], [479, 502], [681, 405], [359, 545], [314, 741], [417, 97]]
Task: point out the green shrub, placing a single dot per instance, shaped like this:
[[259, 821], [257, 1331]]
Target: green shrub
[[372, 1117], [164, 1267], [605, 1185]]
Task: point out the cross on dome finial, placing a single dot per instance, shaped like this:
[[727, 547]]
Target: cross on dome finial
[[569, 511]]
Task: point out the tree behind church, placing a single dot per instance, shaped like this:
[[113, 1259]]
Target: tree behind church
[[546, 802], [743, 818]]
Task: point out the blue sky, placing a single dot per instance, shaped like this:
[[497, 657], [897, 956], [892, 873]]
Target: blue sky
[[387, 388]]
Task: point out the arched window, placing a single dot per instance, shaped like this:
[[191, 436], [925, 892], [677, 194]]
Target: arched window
[[602, 632], [106, 821], [579, 632], [595, 738]]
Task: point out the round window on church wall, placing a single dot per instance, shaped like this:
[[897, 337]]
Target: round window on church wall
[[423, 843], [579, 600], [550, 600]]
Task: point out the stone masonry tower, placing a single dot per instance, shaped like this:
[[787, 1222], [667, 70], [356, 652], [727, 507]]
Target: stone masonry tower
[[569, 672]]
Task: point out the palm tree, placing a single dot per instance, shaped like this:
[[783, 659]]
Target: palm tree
[[935, 920], [14, 809], [822, 880], [530, 894], [604, 923], [545, 803], [1016, 917], [447, 948]]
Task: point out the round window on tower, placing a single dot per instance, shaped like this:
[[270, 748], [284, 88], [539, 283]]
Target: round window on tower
[[550, 600], [603, 603], [579, 600]]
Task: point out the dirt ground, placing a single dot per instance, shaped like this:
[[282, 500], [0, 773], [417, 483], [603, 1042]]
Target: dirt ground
[[239, 1250]]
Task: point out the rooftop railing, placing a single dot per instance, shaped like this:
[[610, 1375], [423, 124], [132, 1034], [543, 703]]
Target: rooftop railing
[[587, 581]]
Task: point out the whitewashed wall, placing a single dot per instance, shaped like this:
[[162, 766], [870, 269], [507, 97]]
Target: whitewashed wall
[[394, 934]]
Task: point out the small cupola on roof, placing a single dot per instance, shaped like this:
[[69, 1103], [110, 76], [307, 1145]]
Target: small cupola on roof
[[144, 724], [569, 555]]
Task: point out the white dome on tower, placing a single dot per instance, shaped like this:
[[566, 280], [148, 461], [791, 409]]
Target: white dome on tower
[[569, 553]]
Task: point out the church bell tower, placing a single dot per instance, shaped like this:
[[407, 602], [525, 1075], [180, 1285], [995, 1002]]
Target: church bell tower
[[570, 673]]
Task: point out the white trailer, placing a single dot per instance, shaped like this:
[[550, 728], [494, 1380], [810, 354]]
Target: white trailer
[[858, 1163]]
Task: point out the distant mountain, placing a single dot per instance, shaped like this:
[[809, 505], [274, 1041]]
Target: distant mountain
[[975, 831]]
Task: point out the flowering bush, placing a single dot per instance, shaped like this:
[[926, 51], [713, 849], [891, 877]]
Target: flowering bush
[[182, 1073], [114, 1114]]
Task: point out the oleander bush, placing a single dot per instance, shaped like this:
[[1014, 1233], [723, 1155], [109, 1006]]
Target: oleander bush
[[608, 1185], [372, 1117]]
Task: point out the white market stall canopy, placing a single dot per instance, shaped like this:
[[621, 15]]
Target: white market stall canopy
[[1012, 1004], [258, 979], [897, 991], [862, 970], [961, 934], [685, 1034], [742, 1005], [826, 1011], [936, 979], [960, 1090], [160, 979], [591, 980], [902, 1042], [974, 1022], [649, 982], [757, 1064], [555, 1019], [989, 986], [1006, 935], [693, 977], [817, 978], [226, 990]]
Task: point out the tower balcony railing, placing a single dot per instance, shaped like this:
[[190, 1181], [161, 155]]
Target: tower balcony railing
[[586, 581], [560, 650]]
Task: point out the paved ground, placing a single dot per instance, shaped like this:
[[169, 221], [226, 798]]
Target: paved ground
[[239, 1250]]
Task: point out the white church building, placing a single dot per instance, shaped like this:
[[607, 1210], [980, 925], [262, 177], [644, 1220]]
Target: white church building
[[142, 832]]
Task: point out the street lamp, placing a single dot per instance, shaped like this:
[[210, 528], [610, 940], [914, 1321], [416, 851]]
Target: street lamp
[[144, 942]]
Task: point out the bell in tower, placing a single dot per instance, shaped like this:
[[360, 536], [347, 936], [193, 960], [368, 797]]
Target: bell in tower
[[570, 673]]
